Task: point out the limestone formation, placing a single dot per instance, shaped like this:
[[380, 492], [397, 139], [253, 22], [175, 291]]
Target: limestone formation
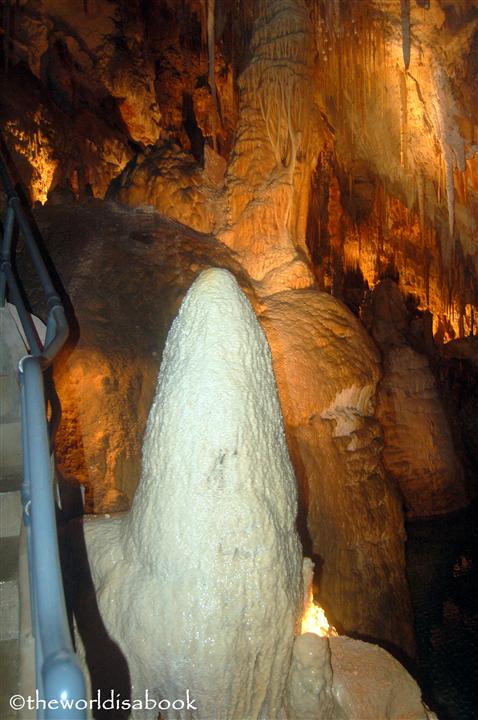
[[309, 686], [169, 180], [327, 371], [268, 176], [201, 584], [418, 452], [299, 88], [326, 368], [339, 678]]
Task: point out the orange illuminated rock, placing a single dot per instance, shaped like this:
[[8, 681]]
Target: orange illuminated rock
[[418, 452], [327, 370]]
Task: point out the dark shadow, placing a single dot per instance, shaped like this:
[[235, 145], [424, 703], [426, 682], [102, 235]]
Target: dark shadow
[[354, 289], [107, 665], [391, 272], [193, 130], [442, 569]]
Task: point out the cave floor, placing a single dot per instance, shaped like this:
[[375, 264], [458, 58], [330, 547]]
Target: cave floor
[[442, 564]]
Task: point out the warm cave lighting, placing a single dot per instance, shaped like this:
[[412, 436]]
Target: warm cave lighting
[[315, 621]]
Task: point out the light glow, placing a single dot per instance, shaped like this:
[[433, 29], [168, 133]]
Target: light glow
[[315, 620]]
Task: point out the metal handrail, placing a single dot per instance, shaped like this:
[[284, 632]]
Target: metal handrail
[[59, 679]]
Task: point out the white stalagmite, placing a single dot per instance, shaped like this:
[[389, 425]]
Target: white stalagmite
[[201, 584]]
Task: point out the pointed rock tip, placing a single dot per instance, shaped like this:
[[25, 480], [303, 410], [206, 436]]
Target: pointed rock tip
[[216, 299], [215, 280]]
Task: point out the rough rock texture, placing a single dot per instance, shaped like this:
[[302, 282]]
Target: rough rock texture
[[170, 180], [125, 273], [396, 183], [327, 372], [201, 584], [418, 453], [382, 104], [326, 369], [340, 678], [418, 450], [309, 685], [268, 176], [369, 683], [80, 90]]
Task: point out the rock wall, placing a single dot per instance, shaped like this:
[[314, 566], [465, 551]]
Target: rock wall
[[78, 95], [327, 370], [427, 471], [419, 453], [382, 103], [396, 183], [267, 181]]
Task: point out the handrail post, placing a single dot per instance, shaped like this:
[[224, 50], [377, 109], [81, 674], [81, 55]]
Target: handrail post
[[59, 674], [59, 678]]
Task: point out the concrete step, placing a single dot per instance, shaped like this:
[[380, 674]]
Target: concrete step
[[11, 460], [10, 479], [9, 599], [9, 398], [10, 514], [10, 664]]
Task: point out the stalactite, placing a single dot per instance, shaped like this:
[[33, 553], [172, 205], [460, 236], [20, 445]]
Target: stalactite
[[211, 41], [405, 20], [451, 143], [403, 119], [203, 7], [421, 199]]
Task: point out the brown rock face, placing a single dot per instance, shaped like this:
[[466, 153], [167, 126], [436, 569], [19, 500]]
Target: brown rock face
[[79, 93], [169, 180], [327, 372], [125, 273], [418, 452], [386, 108], [401, 105], [267, 181]]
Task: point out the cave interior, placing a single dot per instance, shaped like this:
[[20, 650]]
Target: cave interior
[[324, 152]]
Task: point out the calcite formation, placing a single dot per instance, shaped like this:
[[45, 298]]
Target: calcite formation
[[404, 150], [201, 585], [327, 371], [186, 583], [170, 181], [268, 176], [340, 678], [428, 473], [377, 96]]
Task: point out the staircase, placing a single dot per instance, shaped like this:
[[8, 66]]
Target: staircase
[[36, 652], [13, 347]]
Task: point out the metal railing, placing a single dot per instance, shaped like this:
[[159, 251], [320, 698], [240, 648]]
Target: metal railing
[[59, 679]]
